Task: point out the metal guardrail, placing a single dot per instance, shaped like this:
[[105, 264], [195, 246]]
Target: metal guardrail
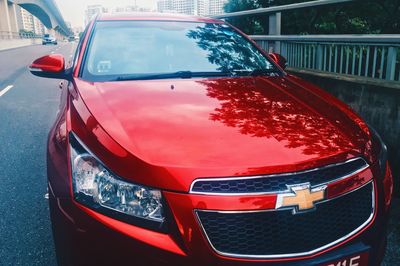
[[373, 56], [282, 8], [10, 35]]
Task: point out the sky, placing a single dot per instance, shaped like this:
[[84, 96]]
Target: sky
[[73, 11]]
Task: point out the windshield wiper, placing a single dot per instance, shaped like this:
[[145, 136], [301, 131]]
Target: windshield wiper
[[256, 72], [178, 74], [263, 72]]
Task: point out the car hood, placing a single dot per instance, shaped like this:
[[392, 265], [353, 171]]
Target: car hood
[[247, 122]]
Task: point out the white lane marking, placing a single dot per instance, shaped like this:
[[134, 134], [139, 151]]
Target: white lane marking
[[5, 90]]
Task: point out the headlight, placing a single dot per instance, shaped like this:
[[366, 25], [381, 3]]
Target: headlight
[[383, 153], [98, 188]]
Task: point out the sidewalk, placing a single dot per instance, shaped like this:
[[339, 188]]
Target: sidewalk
[[10, 44]]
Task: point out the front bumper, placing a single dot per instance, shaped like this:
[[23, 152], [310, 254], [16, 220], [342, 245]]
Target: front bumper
[[83, 237]]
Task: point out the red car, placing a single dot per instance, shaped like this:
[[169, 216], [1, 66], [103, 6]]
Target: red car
[[180, 142]]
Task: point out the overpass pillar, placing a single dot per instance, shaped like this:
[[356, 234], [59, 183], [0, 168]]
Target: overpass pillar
[[56, 34], [5, 25], [12, 12], [52, 32]]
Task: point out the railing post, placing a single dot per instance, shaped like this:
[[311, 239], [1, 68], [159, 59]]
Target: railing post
[[284, 49], [319, 56], [391, 63], [275, 29]]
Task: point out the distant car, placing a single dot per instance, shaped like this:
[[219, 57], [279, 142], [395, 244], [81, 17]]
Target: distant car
[[181, 142], [71, 38], [48, 39]]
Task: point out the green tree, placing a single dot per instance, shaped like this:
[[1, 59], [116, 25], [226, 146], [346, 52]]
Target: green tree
[[358, 17], [248, 24], [22, 31]]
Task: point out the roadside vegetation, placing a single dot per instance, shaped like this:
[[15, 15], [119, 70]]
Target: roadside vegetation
[[358, 17]]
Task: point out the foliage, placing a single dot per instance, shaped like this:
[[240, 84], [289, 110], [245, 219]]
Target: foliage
[[358, 17], [26, 32], [226, 50], [248, 24]]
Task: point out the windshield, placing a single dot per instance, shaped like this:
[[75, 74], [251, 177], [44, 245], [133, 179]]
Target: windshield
[[148, 49]]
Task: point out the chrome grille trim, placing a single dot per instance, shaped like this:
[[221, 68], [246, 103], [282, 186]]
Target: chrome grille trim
[[191, 191], [293, 255]]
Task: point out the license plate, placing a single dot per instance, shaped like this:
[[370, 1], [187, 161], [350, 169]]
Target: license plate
[[353, 260]]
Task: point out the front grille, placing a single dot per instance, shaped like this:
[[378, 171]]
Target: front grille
[[274, 183], [279, 233]]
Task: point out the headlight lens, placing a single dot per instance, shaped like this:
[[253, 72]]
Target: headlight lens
[[96, 187], [383, 152]]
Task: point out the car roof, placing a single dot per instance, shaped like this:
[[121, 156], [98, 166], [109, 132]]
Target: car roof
[[152, 16]]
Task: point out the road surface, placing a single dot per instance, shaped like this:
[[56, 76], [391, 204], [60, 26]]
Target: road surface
[[28, 107]]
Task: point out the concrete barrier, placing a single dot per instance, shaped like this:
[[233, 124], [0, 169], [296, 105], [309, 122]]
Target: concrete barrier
[[15, 43]]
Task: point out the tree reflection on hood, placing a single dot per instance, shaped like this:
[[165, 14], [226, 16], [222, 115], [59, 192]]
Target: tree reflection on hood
[[260, 109]]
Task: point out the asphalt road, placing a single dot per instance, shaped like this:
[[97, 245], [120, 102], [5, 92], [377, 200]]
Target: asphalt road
[[28, 107], [27, 111]]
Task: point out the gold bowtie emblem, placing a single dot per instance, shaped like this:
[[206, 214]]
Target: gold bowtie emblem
[[301, 198]]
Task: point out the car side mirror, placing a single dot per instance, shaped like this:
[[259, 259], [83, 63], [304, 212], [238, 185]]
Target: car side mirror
[[280, 60], [49, 66]]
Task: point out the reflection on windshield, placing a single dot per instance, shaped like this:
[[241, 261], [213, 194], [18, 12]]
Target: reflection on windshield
[[227, 49], [135, 48]]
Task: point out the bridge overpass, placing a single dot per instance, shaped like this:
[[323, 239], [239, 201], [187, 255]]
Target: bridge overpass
[[45, 10]]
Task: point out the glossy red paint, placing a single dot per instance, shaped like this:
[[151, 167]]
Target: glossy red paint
[[388, 186], [246, 117], [50, 63], [110, 103], [349, 184], [148, 237], [166, 138]]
